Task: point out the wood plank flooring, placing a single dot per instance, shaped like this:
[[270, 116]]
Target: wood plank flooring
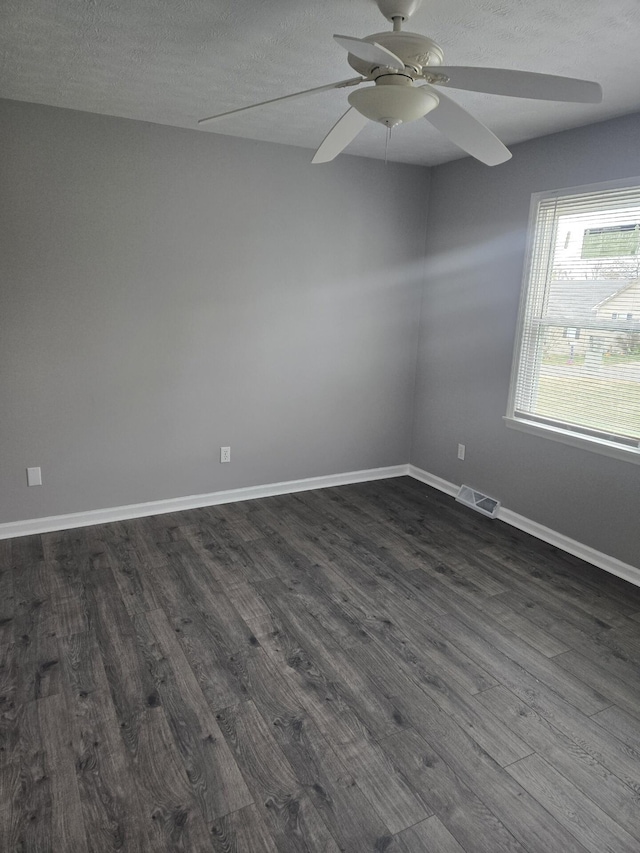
[[367, 668]]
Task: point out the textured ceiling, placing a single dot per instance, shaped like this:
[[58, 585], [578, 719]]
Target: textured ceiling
[[174, 61]]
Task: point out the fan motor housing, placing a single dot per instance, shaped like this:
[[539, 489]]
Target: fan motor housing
[[415, 50]]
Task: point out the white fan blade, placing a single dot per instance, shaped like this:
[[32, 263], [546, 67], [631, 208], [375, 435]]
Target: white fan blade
[[370, 52], [466, 131], [340, 85], [520, 84], [341, 134]]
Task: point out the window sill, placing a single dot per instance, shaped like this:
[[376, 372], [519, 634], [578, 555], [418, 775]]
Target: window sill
[[595, 445]]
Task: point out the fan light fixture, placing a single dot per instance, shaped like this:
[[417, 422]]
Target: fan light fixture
[[393, 104]]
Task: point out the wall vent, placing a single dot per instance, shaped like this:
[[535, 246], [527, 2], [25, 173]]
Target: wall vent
[[478, 501]]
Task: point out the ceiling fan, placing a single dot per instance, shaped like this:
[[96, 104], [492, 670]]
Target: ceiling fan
[[408, 80]]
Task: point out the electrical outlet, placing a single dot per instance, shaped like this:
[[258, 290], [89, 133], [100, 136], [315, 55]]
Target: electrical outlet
[[34, 476], [461, 451], [225, 454]]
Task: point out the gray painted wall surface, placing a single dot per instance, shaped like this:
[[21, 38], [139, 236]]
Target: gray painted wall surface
[[164, 292], [475, 252]]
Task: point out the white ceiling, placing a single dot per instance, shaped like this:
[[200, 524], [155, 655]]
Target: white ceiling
[[174, 61]]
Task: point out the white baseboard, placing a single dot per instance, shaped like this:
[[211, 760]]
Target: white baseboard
[[431, 480], [559, 540], [122, 513], [50, 523]]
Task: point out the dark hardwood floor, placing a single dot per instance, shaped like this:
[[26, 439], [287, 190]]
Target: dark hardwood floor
[[365, 668]]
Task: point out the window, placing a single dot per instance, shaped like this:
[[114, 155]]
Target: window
[[583, 274]]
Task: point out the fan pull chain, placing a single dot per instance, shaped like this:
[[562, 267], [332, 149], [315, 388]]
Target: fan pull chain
[[386, 146]]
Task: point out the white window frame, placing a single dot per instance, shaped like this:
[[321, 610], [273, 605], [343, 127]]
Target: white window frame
[[596, 444]]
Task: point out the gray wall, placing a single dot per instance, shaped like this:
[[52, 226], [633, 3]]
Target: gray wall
[[164, 292], [475, 251]]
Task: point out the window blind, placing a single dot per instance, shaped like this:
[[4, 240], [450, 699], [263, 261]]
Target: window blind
[[578, 361]]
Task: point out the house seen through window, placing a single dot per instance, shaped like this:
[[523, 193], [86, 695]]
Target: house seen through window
[[577, 360], [614, 241]]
